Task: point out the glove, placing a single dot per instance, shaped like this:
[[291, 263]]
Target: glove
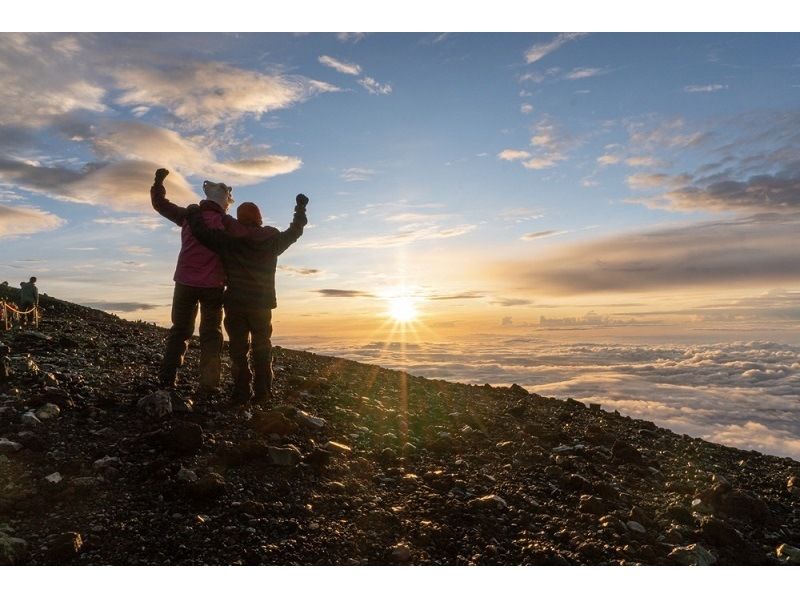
[[302, 200], [161, 174]]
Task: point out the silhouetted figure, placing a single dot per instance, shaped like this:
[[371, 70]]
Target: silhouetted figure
[[199, 280], [250, 264], [28, 300]]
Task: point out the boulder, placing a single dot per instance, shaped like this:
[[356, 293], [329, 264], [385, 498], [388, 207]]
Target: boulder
[[13, 551], [273, 421], [623, 452], [788, 554], [62, 548], [284, 456], [48, 411], [9, 446], [693, 555], [157, 404]]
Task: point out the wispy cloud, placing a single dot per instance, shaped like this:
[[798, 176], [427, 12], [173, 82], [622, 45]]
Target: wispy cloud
[[349, 37], [25, 220], [375, 88], [347, 68], [704, 88], [542, 234], [407, 234], [538, 51], [584, 73], [356, 174], [343, 293]]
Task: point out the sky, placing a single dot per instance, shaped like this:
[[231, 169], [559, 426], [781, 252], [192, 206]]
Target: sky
[[611, 189]]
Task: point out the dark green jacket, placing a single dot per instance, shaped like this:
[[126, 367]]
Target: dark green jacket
[[250, 261], [29, 294]]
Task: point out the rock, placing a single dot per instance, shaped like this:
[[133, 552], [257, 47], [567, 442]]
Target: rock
[[337, 447], [48, 411], [517, 410], [286, 456], [157, 404], [31, 441], [185, 438], [488, 502], [29, 419], [680, 514], [743, 505], [106, 462], [400, 553], [788, 554], [273, 421], [595, 406], [793, 486], [210, 486], [182, 405], [518, 391], [577, 483], [720, 533], [186, 475], [637, 527], [318, 458], [64, 547], [626, 453], [9, 446], [13, 551], [592, 505], [309, 421], [693, 554], [54, 478]]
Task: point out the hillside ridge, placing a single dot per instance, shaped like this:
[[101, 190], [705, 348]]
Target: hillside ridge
[[354, 464]]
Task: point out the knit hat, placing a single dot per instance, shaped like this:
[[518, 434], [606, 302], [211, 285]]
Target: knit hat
[[249, 214], [219, 193]]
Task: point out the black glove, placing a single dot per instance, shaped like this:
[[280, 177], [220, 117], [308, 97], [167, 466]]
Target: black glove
[[302, 200], [161, 174]]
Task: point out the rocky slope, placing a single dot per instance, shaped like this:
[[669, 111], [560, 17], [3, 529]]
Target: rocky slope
[[354, 465]]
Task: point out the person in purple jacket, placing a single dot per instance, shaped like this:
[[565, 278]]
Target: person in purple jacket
[[199, 281]]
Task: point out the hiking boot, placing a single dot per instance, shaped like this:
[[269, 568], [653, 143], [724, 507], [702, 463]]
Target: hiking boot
[[264, 399]]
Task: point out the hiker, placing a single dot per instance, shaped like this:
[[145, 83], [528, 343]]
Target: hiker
[[199, 280], [28, 300], [250, 264]]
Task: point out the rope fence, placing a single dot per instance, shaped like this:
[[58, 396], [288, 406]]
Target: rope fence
[[8, 309]]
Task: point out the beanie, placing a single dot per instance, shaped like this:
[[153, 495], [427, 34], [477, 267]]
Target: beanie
[[219, 193], [249, 214]]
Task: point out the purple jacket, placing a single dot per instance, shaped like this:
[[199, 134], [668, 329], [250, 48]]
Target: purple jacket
[[197, 266]]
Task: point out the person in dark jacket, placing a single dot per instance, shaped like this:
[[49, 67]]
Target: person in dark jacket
[[199, 281], [28, 300], [249, 299]]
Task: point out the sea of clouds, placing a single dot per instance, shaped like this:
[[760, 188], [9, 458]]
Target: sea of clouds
[[743, 394]]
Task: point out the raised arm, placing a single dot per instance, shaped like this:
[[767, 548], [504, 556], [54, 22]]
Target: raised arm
[[284, 239], [216, 240], [158, 197]]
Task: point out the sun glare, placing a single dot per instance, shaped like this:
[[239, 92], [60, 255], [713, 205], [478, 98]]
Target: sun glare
[[402, 309]]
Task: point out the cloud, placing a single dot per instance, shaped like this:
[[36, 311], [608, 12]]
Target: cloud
[[608, 159], [457, 296], [356, 174], [513, 154], [538, 51], [510, 302], [347, 68], [121, 306], [704, 88], [145, 222], [584, 73], [643, 180], [542, 234], [40, 79], [136, 250], [526, 108], [407, 234], [305, 272], [375, 88], [350, 37], [520, 214], [210, 93], [745, 252], [343, 293], [26, 220]]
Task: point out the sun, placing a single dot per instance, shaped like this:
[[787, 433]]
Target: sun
[[402, 309]]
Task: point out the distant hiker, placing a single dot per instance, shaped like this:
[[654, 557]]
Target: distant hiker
[[28, 300], [199, 279], [250, 264]]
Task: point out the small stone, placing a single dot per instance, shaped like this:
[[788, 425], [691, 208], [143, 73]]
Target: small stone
[[185, 438], [9, 446], [210, 486], [793, 486], [48, 411], [13, 551], [309, 421], [626, 453], [592, 505], [488, 502], [337, 447], [32, 441], [64, 547], [106, 462], [29, 419], [637, 527], [693, 554], [186, 475], [157, 404], [273, 422], [788, 554], [401, 553], [54, 478], [286, 456]]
